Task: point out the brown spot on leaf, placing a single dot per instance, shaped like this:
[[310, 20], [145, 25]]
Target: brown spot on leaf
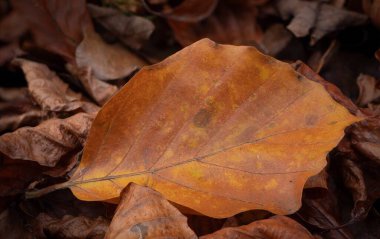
[[202, 118]]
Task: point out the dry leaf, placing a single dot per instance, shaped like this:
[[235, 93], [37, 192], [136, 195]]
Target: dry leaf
[[232, 22], [70, 227], [106, 61], [144, 213], [200, 127], [369, 89], [99, 90], [17, 109], [48, 142], [275, 39], [50, 92], [277, 227], [316, 18], [132, 31], [56, 26], [187, 11]]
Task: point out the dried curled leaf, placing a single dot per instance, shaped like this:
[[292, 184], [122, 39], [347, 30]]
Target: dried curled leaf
[[213, 123], [70, 227], [278, 227], [50, 92], [143, 212], [316, 18], [48, 142]]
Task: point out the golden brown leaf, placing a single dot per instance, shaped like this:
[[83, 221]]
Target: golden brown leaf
[[213, 123], [278, 227], [144, 213]]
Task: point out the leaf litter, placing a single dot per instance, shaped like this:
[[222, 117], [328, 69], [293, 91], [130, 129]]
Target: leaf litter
[[218, 140]]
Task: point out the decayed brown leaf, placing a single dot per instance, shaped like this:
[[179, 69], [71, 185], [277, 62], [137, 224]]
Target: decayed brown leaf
[[106, 61], [70, 227], [277, 227], [145, 213], [100, 91], [48, 142], [133, 31], [316, 18], [209, 130], [369, 89], [359, 165], [232, 22], [67, 30], [17, 109], [50, 92], [187, 11]]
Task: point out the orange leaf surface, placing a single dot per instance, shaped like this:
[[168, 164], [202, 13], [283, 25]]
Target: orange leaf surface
[[219, 129]]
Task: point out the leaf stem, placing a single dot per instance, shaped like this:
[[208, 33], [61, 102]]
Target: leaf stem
[[44, 191]]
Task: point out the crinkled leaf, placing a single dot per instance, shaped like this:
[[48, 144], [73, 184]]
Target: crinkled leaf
[[50, 92], [48, 142], [316, 18], [69, 227], [215, 123], [17, 109], [145, 213]]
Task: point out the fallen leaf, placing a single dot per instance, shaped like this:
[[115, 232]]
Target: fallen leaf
[[100, 91], [277, 227], [218, 137], [132, 31], [17, 109], [316, 18], [275, 39], [188, 11], [67, 30], [55, 25], [106, 61], [70, 227], [48, 142], [145, 213], [232, 22], [369, 89], [50, 92], [358, 164]]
